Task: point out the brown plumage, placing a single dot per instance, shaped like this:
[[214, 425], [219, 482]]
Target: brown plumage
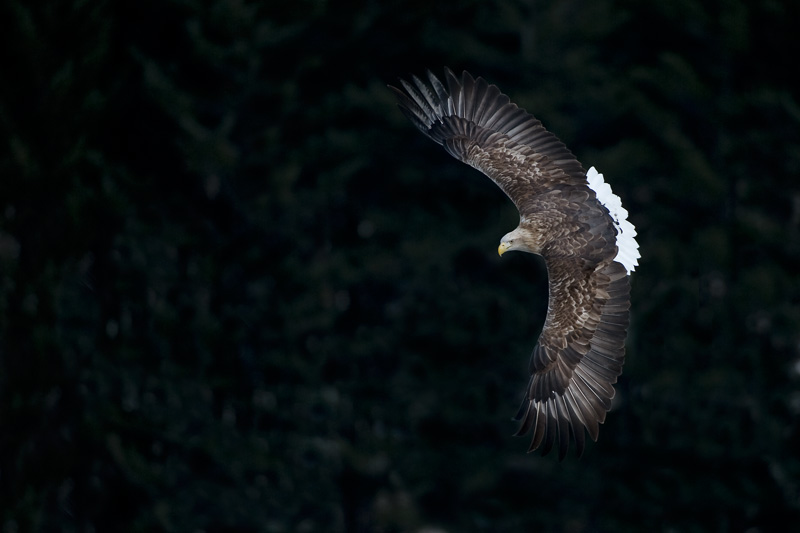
[[581, 349]]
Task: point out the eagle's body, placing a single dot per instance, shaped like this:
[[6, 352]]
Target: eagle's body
[[571, 219]]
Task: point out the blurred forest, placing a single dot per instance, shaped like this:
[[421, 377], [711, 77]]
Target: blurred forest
[[240, 292]]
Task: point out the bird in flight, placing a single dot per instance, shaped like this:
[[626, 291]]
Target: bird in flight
[[568, 216]]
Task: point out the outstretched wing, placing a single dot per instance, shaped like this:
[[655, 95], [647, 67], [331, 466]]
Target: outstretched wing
[[579, 355], [479, 125], [581, 349]]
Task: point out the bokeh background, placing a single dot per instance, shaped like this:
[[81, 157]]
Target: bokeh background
[[240, 292]]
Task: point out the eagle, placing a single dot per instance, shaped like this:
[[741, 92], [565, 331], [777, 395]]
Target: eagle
[[568, 216]]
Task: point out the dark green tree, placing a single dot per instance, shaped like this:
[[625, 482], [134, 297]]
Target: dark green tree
[[240, 292]]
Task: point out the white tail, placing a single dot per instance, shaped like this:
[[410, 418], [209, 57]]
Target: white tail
[[627, 247]]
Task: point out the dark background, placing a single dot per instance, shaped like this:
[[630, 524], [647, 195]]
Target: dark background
[[241, 292]]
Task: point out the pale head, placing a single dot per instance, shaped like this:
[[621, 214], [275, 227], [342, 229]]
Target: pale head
[[519, 239]]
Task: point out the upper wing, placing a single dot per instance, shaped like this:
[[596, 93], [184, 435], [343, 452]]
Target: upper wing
[[579, 355], [480, 126]]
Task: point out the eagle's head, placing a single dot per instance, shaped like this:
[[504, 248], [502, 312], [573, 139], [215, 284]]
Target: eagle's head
[[522, 239]]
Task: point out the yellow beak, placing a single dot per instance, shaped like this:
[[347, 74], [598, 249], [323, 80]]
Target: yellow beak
[[503, 248]]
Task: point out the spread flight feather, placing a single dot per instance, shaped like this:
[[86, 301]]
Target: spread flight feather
[[570, 218]]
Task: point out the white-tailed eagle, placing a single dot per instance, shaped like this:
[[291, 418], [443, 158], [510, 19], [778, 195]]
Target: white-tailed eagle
[[569, 217]]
